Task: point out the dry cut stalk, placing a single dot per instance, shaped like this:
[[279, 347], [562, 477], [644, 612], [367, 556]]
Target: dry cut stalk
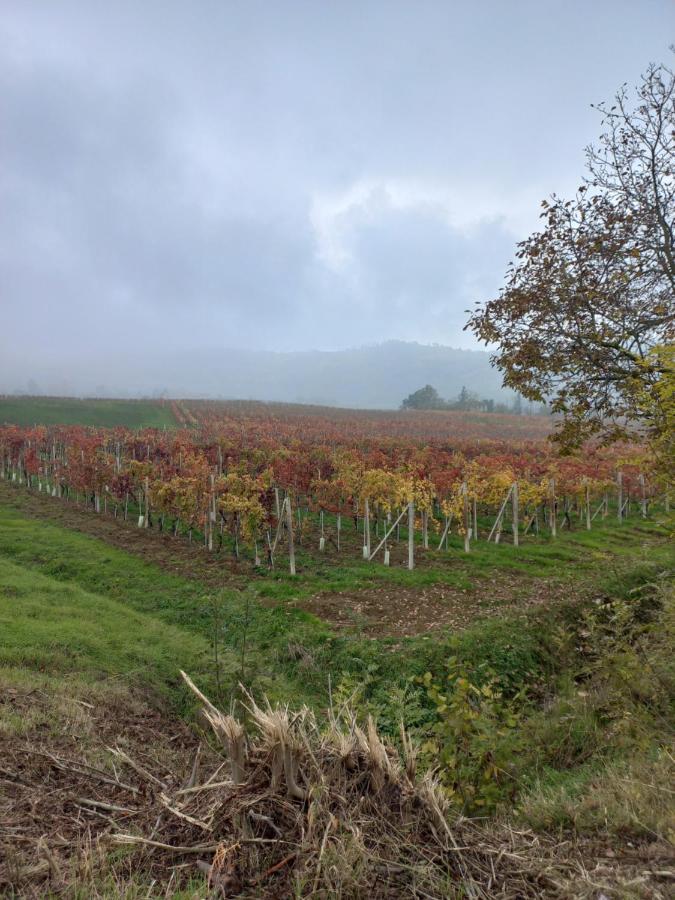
[[196, 848]]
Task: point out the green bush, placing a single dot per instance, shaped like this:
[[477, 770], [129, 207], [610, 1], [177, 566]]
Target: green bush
[[474, 739]]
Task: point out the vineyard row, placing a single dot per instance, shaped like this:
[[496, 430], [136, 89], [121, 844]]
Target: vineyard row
[[260, 495]]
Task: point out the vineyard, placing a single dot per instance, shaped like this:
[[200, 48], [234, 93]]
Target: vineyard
[[254, 489], [341, 425], [415, 647], [338, 423], [270, 556]]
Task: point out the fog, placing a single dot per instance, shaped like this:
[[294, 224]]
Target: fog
[[181, 182]]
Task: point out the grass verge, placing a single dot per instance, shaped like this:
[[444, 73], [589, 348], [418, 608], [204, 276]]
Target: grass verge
[[29, 411]]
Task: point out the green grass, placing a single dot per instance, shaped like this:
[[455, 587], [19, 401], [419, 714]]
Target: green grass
[[59, 629], [624, 796], [287, 653], [572, 557], [600, 755], [153, 598], [84, 625], [72, 411]]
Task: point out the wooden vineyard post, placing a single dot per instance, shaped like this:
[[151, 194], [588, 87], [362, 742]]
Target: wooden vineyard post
[[619, 491], [643, 496], [475, 519], [553, 518], [425, 529], [322, 539], [444, 536], [289, 527], [515, 511], [366, 530], [388, 531], [467, 519], [276, 502], [411, 535], [338, 528], [212, 511], [147, 502], [497, 527], [588, 506], [270, 551]]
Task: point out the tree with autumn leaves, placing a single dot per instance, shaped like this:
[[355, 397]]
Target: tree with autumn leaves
[[586, 320]]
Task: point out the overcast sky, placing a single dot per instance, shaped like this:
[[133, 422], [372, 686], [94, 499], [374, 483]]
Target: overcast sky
[[285, 174]]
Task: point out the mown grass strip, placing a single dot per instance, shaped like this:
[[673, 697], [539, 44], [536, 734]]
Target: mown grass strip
[[59, 629], [30, 411]]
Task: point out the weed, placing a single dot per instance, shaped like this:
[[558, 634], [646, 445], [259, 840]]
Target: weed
[[474, 738]]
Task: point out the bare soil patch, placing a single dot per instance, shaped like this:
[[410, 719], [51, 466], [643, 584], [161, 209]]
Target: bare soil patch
[[397, 611]]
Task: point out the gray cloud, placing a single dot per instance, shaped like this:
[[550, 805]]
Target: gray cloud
[[289, 175]]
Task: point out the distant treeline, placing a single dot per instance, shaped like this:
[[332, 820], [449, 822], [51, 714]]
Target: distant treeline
[[429, 398]]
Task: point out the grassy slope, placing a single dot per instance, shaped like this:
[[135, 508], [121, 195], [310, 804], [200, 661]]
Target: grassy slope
[[71, 411], [58, 628], [76, 611], [573, 557], [289, 653], [133, 597]]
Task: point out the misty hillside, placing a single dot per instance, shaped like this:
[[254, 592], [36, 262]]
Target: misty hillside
[[378, 376]]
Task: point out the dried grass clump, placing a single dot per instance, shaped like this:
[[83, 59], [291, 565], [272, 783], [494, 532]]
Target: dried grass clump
[[334, 811]]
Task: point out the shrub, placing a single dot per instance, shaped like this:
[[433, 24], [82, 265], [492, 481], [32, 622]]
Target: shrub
[[474, 737]]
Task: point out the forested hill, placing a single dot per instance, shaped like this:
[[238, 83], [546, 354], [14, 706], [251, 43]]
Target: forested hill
[[378, 376]]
